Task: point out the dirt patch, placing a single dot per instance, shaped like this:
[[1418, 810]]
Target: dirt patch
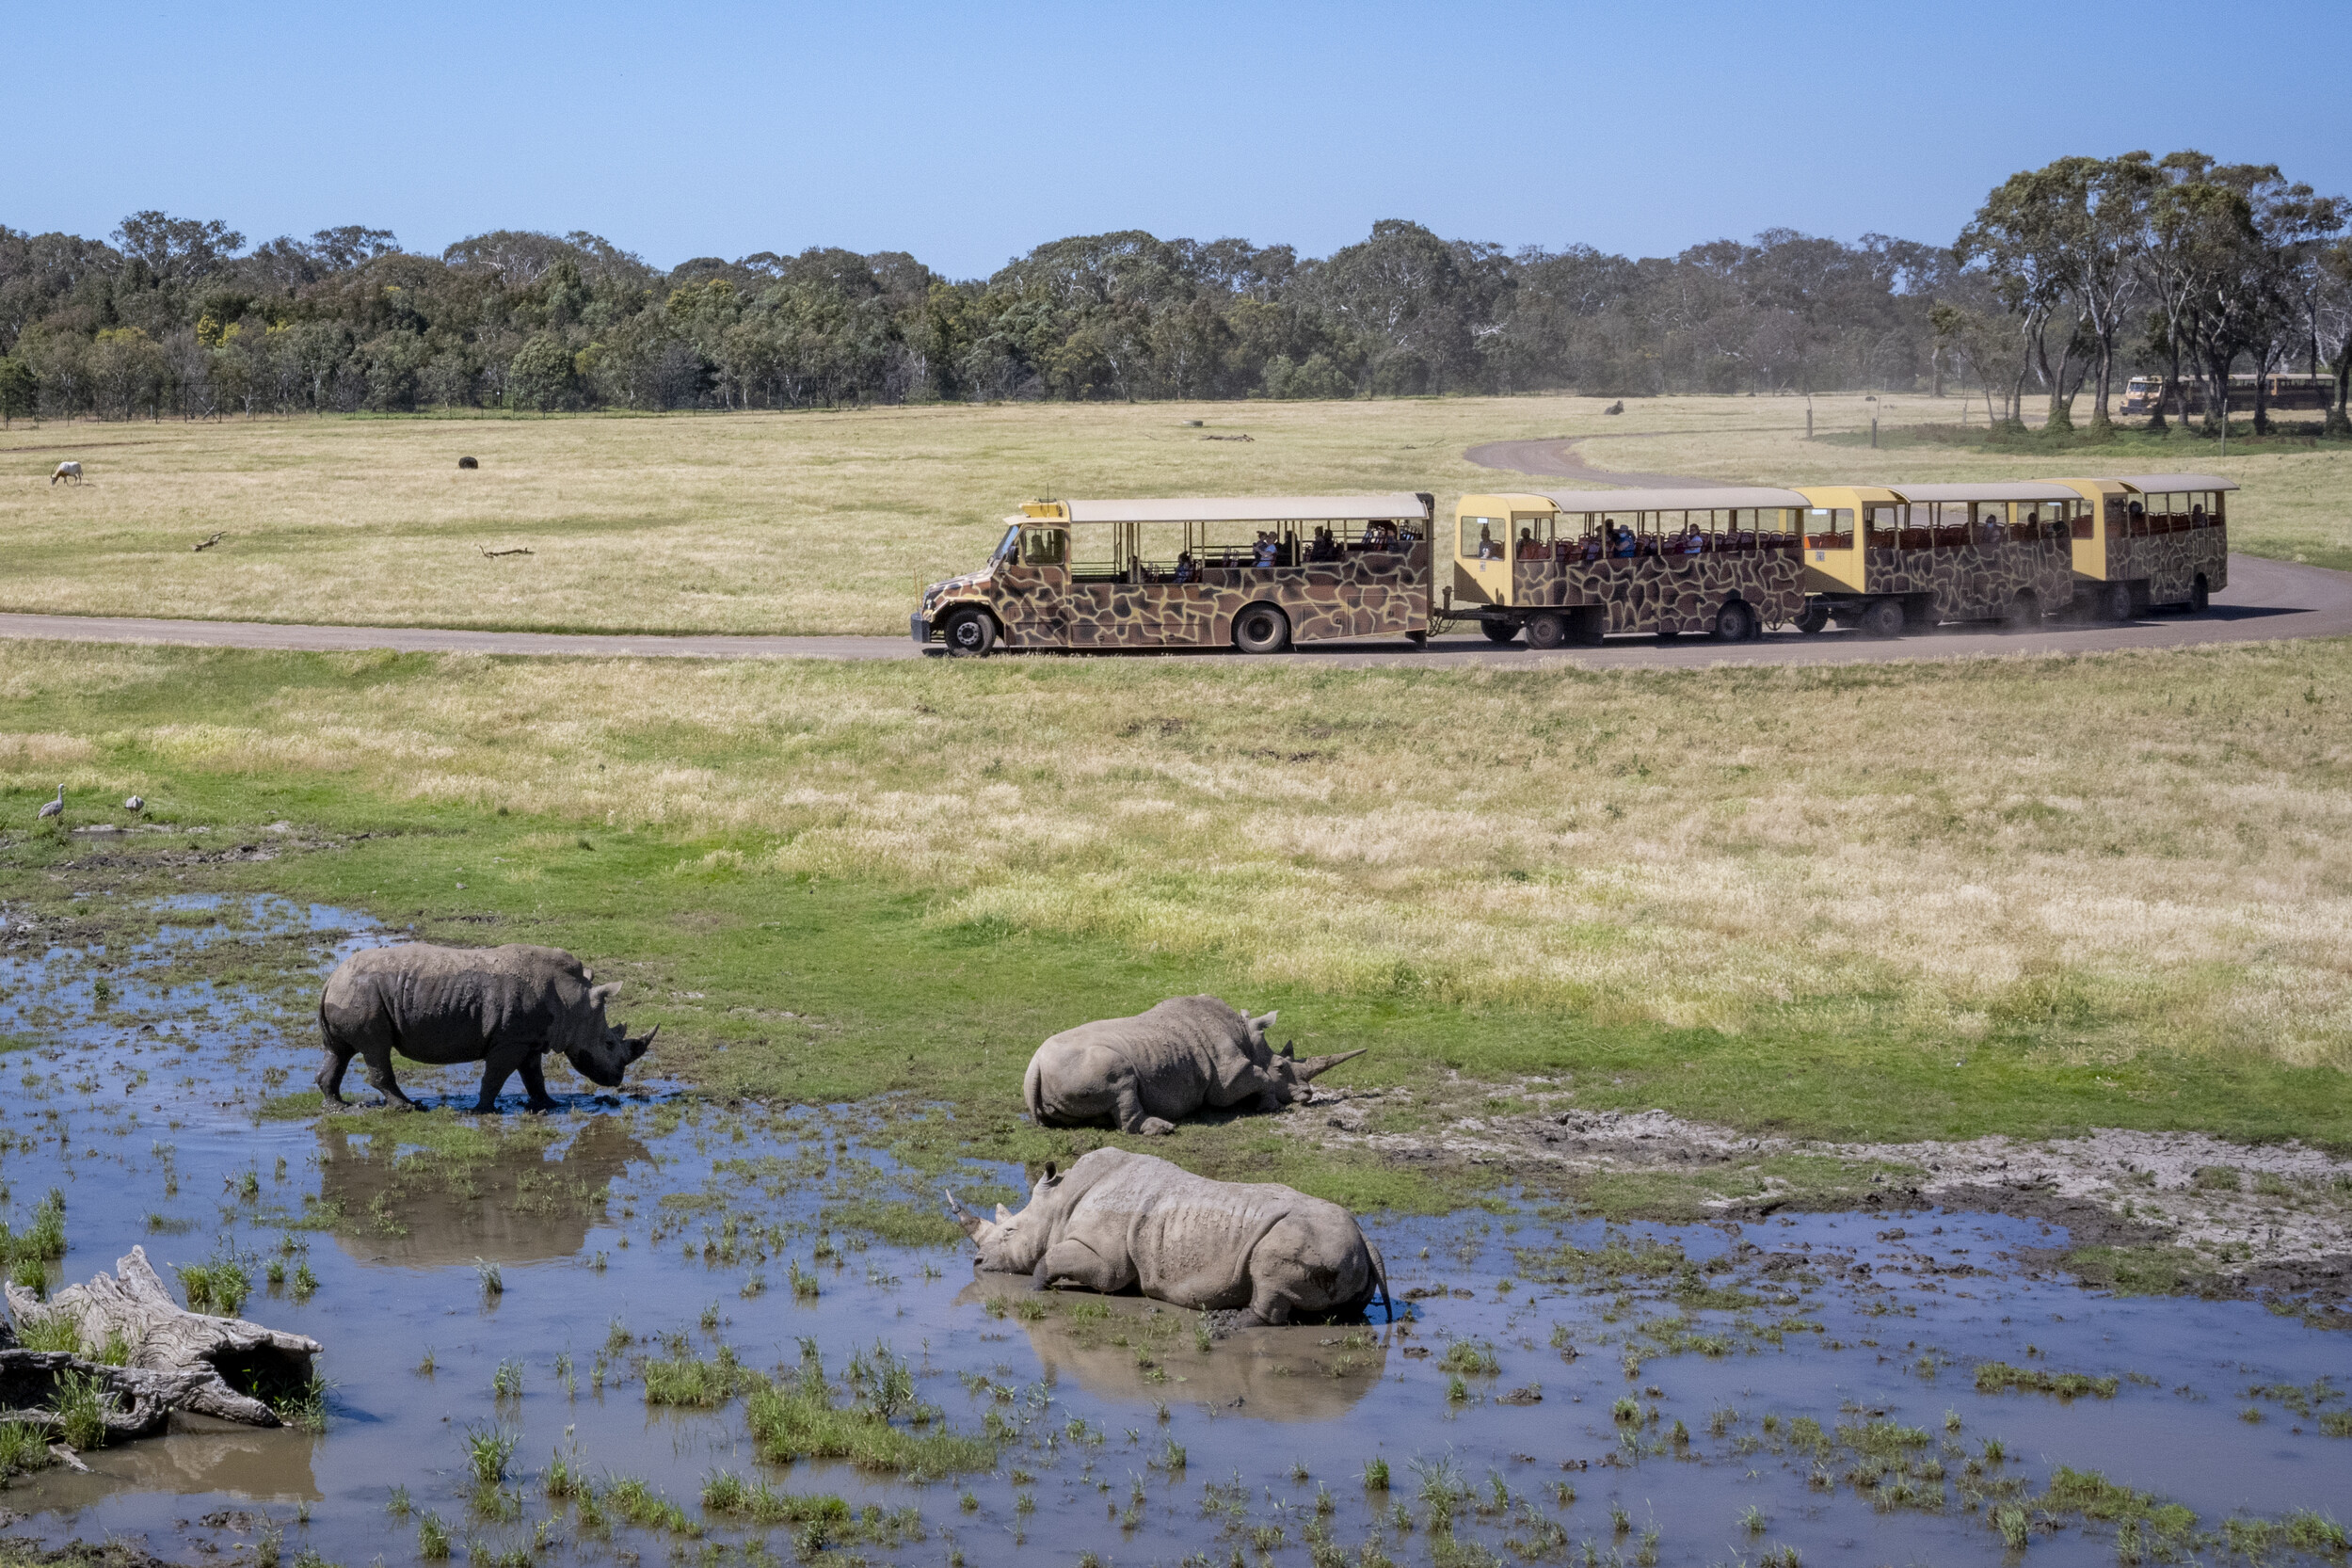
[[2244, 1219]]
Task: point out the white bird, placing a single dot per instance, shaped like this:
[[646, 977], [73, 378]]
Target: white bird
[[137, 803], [54, 808]]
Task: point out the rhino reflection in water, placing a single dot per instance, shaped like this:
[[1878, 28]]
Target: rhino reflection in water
[[270, 1466], [1301, 1373], [524, 1203]]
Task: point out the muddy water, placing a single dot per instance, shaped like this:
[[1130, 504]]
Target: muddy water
[[635, 1216]]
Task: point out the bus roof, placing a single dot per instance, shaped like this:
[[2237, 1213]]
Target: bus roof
[[1996, 490], [1713, 498], [1251, 508], [2148, 482]]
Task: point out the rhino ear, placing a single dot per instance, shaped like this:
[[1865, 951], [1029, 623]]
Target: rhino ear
[[1051, 1170], [1267, 1022], [586, 974], [598, 995]]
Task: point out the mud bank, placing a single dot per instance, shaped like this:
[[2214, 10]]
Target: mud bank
[[2242, 1218]]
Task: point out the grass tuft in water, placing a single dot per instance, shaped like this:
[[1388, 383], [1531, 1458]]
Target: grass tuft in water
[[488, 1451], [218, 1286], [81, 1410], [22, 1447], [432, 1538], [693, 1382], [804, 1419], [1993, 1377], [50, 1330]]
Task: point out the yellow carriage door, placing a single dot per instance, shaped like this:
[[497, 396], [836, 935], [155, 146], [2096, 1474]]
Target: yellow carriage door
[[1482, 559]]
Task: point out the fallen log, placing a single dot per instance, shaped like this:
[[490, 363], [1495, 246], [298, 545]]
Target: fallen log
[[131, 1401], [188, 1360]]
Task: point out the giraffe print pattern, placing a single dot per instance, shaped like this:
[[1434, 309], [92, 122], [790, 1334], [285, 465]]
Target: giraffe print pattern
[[2171, 563], [1974, 582], [1366, 594], [1666, 593]]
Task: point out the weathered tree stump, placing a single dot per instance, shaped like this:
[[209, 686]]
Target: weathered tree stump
[[180, 1360]]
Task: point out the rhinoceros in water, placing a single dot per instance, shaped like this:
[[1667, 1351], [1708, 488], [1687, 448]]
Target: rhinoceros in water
[[1143, 1073], [1120, 1220], [504, 1007]]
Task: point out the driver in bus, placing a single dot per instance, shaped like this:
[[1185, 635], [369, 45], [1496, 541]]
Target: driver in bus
[[1488, 549]]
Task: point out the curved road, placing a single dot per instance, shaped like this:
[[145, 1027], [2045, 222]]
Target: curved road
[[2266, 601]]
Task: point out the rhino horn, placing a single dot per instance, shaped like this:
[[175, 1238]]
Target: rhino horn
[[1285, 1049], [1002, 1213], [643, 1043], [965, 1217], [1308, 1067]]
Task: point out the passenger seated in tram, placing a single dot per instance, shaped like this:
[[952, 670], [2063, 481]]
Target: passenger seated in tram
[[1528, 549], [1381, 534], [2197, 515], [1621, 543], [1266, 549], [1591, 547], [1693, 542], [1325, 548], [1186, 571], [1988, 528]]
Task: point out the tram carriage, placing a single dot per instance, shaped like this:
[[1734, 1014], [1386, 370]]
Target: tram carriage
[[1573, 566], [2150, 538], [1883, 559]]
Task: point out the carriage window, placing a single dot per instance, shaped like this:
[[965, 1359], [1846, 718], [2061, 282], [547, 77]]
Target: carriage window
[[1482, 538], [1044, 547], [1829, 528]]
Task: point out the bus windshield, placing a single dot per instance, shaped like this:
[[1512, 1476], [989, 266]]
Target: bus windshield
[[1004, 546]]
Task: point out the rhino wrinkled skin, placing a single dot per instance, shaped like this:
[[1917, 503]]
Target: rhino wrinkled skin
[[504, 1007], [1118, 1221], [1145, 1073]]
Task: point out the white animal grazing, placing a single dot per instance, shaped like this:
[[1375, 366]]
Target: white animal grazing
[[68, 470], [54, 808], [137, 803]]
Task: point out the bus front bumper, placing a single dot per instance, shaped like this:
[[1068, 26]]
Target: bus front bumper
[[918, 628]]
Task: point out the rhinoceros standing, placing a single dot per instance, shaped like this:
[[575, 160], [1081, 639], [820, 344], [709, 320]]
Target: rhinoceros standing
[[1120, 1220], [504, 1007], [1140, 1074]]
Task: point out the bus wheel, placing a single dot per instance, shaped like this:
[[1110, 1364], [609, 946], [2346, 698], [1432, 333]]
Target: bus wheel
[[1813, 618], [1261, 629], [2199, 595], [1735, 622], [2114, 602], [2025, 612], [970, 633], [1498, 630], [1883, 619], [1547, 631]]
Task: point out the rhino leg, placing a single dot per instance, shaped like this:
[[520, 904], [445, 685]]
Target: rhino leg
[[1070, 1261], [500, 1064], [533, 1071], [374, 1047], [331, 1070], [1130, 1112]]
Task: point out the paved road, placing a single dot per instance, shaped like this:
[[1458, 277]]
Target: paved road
[[1556, 457], [2265, 601]]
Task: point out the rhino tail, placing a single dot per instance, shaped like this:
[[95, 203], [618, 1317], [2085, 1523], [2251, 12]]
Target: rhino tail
[[1380, 1273], [1309, 1068], [1033, 1092]]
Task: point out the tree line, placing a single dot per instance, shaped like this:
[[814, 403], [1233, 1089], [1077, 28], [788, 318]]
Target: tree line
[[2069, 278]]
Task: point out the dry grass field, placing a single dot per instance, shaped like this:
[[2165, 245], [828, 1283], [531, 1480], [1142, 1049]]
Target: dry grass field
[[817, 523], [2078, 859]]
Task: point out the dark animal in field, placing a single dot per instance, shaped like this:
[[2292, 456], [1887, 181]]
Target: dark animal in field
[[505, 1007], [1616, 408], [68, 470], [1144, 1074], [1120, 1220], [468, 462]]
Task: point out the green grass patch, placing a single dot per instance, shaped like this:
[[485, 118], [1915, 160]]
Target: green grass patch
[[879, 1425], [701, 1384], [2156, 1270], [1994, 1377], [903, 1224]]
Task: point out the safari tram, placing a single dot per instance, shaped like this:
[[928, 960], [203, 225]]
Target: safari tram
[[1262, 573]]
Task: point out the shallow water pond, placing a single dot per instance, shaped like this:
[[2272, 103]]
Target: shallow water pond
[[1864, 1388]]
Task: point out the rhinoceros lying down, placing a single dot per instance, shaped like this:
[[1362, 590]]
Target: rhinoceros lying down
[[1119, 1220], [504, 1007], [1143, 1073]]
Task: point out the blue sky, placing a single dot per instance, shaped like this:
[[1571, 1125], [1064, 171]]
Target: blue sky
[[969, 133]]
